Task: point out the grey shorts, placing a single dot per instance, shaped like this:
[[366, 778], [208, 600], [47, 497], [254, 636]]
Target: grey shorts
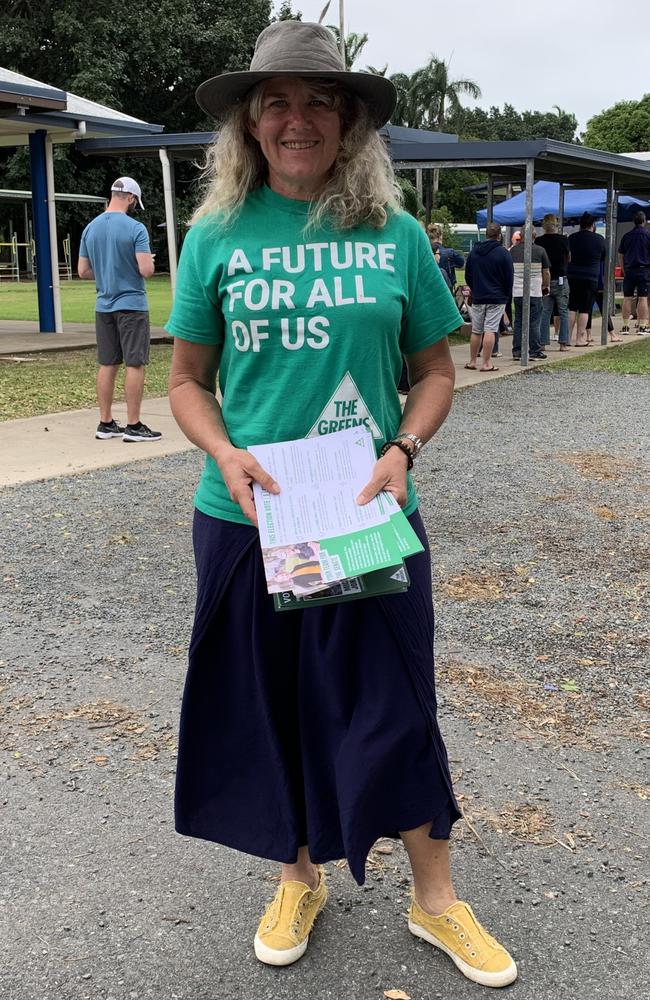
[[123, 336], [486, 318]]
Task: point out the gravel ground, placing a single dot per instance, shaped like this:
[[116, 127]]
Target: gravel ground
[[534, 499]]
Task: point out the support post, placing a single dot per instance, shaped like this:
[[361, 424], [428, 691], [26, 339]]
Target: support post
[[418, 182], [170, 216], [54, 247], [528, 257], [508, 239], [610, 239], [428, 186], [490, 199], [560, 211], [41, 231], [342, 29]]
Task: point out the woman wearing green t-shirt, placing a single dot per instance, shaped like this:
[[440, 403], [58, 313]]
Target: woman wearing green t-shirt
[[305, 736]]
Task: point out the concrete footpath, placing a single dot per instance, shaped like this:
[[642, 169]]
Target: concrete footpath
[[64, 443]]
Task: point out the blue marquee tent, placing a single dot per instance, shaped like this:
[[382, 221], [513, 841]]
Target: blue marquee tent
[[546, 198]]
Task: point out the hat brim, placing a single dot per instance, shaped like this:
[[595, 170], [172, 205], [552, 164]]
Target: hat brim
[[220, 94]]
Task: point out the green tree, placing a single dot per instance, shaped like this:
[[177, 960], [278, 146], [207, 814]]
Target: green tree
[[145, 60], [452, 194], [354, 44], [444, 217], [403, 114], [623, 128], [411, 202], [435, 97], [502, 125], [285, 13]]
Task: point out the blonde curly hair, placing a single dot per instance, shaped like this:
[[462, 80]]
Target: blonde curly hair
[[361, 188]]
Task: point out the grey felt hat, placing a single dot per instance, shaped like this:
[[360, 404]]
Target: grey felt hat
[[301, 49]]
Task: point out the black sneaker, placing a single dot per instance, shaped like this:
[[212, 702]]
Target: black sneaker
[[539, 356], [140, 432], [516, 356], [105, 431]]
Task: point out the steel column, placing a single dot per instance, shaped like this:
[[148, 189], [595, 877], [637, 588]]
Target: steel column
[[490, 199], [41, 231], [170, 216], [610, 239], [528, 257], [54, 247], [418, 182], [560, 211], [508, 238]]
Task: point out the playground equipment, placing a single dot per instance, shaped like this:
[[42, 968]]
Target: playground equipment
[[10, 260]]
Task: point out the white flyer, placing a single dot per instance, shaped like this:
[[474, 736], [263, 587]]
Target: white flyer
[[319, 479]]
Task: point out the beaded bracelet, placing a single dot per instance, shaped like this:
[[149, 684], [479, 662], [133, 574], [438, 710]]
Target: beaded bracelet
[[402, 447]]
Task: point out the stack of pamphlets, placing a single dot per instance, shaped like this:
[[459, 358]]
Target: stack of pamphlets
[[319, 545]]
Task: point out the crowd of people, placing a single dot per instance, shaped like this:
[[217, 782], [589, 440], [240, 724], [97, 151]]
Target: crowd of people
[[566, 284]]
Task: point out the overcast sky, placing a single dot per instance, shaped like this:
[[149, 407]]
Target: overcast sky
[[575, 53]]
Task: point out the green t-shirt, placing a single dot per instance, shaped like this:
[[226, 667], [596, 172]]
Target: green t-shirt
[[312, 324]]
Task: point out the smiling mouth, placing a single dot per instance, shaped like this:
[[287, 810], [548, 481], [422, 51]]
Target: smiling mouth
[[292, 144]]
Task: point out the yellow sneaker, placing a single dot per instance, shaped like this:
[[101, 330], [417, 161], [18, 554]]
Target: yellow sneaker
[[458, 933], [283, 934]]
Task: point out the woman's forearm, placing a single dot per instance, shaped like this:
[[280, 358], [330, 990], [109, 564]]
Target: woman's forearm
[[198, 415], [428, 404]]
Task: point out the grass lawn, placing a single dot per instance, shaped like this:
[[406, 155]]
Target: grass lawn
[[19, 300], [55, 381], [628, 359]]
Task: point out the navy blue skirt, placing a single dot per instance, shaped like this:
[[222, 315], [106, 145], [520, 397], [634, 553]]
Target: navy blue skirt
[[314, 727]]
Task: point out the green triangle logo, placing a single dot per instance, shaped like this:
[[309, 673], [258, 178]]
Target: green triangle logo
[[345, 408]]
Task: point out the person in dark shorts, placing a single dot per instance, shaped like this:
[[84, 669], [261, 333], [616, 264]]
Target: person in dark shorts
[[557, 301], [634, 256], [587, 250], [115, 253], [489, 274]]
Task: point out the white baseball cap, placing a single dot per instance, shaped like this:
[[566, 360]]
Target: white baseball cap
[[126, 185]]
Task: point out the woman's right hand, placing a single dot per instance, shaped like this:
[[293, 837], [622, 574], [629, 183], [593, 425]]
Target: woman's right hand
[[240, 470]]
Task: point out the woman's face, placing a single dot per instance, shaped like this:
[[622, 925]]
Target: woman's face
[[299, 133]]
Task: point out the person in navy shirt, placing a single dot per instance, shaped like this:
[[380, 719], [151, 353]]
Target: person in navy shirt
[[587, 250], [634, 255]]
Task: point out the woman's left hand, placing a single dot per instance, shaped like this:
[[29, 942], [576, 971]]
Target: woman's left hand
[[388, 474]]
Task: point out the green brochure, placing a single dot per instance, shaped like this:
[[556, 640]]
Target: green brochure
[[313, 532], [393, 580]]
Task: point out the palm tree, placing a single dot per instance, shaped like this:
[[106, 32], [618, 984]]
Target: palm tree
[[435, 97], [354, 43], [375, 71], [404, 113]]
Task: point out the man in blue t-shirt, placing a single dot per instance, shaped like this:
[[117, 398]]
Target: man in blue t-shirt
[[634, 255], [115, 253]]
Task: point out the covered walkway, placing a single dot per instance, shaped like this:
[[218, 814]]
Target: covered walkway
[[571, 166], [39, 116]]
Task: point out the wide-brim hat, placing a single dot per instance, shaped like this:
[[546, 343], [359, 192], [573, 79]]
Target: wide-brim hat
[[300, 49]]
